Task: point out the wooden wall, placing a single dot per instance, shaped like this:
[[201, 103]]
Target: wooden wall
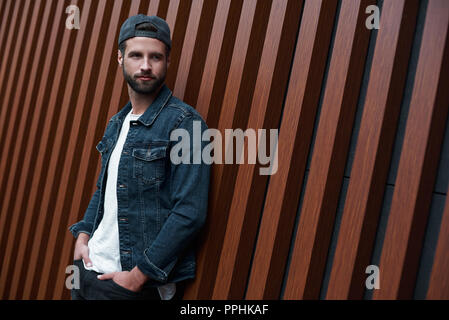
[[363, 145]]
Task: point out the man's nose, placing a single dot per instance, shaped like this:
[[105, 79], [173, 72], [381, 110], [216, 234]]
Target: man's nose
[[146, 65]]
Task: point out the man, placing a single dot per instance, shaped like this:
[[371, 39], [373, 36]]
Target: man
[[136, 240]]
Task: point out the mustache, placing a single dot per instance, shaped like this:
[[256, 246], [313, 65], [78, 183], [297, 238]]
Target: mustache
[[150, 75]]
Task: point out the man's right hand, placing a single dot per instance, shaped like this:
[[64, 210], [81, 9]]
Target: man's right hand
[[82, 250]]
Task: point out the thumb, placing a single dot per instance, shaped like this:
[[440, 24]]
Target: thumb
[[87, 260], [106, 276]]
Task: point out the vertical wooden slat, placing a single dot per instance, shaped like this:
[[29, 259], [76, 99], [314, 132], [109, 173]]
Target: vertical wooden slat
[[70, 166], [187, 49], [374, 148], [41, 94], [218, 62], [8, 50], [6, 15], [330, 150], [419, 158], [177, 19], [265, 112], [439, 278], [68, 124], [193, 82], [295, 136], [94, 123], [163, 8], [152, 9], [63, 68], [207, 257], [212, 57], [14, 142], [32, 99], [10, 118]]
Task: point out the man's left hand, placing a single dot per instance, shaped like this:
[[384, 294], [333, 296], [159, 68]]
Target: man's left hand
[[132, 280]]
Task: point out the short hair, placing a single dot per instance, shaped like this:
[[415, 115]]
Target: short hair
[[145, 26]]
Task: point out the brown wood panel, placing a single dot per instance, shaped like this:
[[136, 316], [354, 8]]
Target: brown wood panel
[[240, 79], [28, 131], [374, 148], [95, 124], [8, 49], [218, 61], [236, 62], [265, 113], [177, 19], [81, 120], [10, 118], [14, 94], [42, 176], [195, 75], [67, 126], [153, 8], [40, 95], [295, 136], [439, 278], [15, 139], [330, 151], [6, 11], [211, 65], [419, 159], [185, 60]]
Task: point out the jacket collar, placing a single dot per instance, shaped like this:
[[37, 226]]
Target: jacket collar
[[150, 115]]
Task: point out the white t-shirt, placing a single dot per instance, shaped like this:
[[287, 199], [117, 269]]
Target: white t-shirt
[[104, 245]]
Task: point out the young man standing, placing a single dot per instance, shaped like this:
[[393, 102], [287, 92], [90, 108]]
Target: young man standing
[[136, 240]]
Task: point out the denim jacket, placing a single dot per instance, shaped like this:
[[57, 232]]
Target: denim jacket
[[161, 205]]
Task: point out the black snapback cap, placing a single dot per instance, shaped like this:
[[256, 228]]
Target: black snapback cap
[[161, 30]]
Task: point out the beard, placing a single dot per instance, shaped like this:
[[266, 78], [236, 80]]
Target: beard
[[144, 87]]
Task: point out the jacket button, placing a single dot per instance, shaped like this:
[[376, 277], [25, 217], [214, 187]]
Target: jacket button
[[122, 186]]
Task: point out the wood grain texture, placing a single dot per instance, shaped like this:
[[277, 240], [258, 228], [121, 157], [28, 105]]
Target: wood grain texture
[[291, 65], [332, 141], [241, 79], [374, 148], [295, 137], [265, 112], [439, 278], [419, 159], [19, 156]]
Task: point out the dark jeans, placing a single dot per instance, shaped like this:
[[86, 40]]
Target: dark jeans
[[93, 289]]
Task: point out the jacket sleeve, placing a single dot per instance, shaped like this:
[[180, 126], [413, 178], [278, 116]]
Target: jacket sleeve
[[189, 197]]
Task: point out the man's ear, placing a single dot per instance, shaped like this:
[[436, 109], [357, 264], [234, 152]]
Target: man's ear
[[119, 58]]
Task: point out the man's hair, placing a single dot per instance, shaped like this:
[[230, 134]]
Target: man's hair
[[145, 26]]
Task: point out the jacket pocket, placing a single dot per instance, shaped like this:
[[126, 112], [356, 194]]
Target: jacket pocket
[[149, 163]]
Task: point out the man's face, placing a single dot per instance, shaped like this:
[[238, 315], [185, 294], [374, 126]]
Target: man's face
[[145, 64]]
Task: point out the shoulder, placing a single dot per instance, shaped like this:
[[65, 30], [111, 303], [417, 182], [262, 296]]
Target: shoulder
[[184, 110]]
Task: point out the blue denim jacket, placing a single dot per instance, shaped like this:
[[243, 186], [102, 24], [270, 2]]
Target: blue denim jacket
[[161, 206]]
